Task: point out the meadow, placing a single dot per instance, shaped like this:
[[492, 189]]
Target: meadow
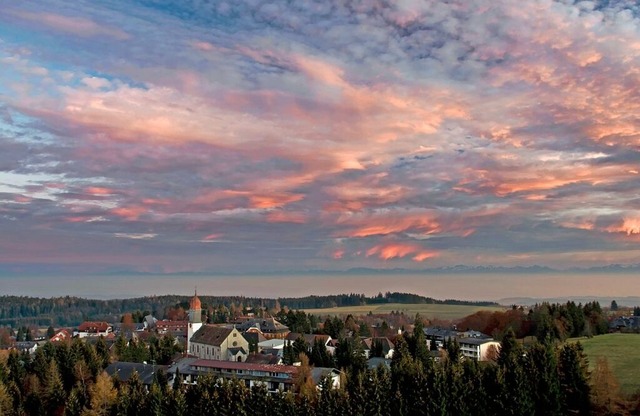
[[428, 311], [621, 351]]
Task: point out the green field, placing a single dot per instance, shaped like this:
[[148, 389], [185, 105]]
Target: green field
[[622, 354], [428, 311]]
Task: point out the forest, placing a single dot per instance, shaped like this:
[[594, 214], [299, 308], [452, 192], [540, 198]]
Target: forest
[[71, 311], [540, 379]]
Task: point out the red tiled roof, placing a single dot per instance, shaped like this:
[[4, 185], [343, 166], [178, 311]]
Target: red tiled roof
[[61, 335], [235, 365]]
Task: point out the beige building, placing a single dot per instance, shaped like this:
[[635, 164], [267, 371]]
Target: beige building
[[478, 349], [218, 343]]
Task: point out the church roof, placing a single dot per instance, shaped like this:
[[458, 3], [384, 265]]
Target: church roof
[[211, 335], [194, 303]]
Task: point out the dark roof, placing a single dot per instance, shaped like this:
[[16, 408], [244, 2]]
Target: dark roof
[[124, 371], [268, 325], [475, 341], [211, 335], [387, 345], [254, 337], [236, 350], [375, 362], [317, 373], [25, 345], [439, 333], [309, 338], [263, 359]]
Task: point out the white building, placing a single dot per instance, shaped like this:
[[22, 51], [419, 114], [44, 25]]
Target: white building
[[478, 349]]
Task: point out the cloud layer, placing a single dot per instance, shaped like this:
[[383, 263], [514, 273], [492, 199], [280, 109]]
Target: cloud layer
[[242, 136]]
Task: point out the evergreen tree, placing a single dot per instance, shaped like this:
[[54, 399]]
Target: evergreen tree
[[6, 401], [54, 393], [516, 396], [542, 371], [258, 403], [320, 357], [102, 352], [103, 395], [177, 403], [377, 389], [300, 346], [75, 402], [574, 379]]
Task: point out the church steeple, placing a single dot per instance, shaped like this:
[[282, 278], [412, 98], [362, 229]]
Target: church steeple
[[195, 319], [195, 308]]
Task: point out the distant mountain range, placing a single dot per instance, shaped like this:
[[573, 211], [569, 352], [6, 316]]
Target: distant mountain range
[[13, 269]]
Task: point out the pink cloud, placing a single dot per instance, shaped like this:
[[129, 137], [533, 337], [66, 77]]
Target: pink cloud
[[630, 226], [130, 213], [387, 223], [399, 250], [75, 25], [286, 216], [93, 190]]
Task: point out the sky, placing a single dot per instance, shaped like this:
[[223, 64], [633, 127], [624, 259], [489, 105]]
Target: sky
[[266, 136]]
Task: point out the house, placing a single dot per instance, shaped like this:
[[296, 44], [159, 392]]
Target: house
[[383, 343], [478, 349], [264, 358], [253, 338], [123, 371], [175, 328], [93, 329], [320, 373], [60, 336], [310, 339], [271, 344], [218, 343], [269, 327], [26, 346], [375, 362], [625, 323], [439, 336], [274, 377]]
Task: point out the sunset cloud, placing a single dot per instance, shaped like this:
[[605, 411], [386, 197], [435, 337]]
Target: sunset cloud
[[320, 135]]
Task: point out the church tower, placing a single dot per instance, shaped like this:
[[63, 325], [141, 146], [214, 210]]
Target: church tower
[[195, 319]]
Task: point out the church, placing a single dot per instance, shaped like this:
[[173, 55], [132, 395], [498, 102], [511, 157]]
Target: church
[[212, 342]]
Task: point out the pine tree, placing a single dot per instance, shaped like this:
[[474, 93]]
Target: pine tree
[[574, 379], [542, 371], [303, 380], [102, 352], [54, 393], [103, 395], [6, 401]]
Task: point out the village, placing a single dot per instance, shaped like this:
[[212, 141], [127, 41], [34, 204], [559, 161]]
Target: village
[[256, 350], [293, 358]]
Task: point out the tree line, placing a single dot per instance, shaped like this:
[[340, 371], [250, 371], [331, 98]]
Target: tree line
[[71, 311], [555, 321]]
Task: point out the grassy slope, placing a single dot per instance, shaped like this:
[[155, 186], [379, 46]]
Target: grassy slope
[[428, 311], [623, 354]]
